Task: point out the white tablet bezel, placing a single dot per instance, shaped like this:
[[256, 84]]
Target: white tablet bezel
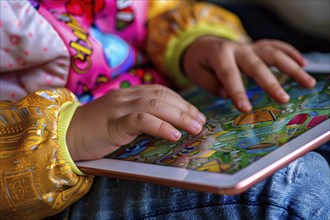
[[209, 181]]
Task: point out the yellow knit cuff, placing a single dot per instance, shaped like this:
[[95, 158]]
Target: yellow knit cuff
[[178, 45], [66, 114]]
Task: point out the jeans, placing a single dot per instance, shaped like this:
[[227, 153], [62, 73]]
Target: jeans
[[300, 190]]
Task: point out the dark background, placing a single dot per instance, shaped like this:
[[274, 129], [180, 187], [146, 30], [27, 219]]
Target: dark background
[[263, 22]]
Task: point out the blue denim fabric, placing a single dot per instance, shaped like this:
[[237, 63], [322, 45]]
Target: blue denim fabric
[[299, 191]]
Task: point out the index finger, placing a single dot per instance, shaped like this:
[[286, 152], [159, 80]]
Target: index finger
[[168, 95], [290, 51], [226, 69], [254, 67]]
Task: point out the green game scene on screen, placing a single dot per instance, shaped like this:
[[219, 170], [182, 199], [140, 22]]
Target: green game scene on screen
[[231, 140]]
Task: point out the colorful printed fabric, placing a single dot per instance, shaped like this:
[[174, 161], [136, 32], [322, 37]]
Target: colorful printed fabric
[[36, 180], [89, 47], [78, 56]]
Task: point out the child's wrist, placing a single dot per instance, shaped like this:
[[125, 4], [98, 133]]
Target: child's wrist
[[71, 136], [67, 150]]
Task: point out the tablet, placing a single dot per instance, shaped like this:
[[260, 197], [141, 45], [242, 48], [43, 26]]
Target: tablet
[[235, 150], [317, 62]]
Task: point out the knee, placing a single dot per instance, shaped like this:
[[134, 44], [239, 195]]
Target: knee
[[312, 167], [305, 187]]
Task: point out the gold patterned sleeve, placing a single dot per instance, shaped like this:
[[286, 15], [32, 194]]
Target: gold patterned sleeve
[[172, 27], [37, 179]]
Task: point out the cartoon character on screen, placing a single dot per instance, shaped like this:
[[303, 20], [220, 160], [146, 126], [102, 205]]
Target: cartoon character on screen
[[133, 150]]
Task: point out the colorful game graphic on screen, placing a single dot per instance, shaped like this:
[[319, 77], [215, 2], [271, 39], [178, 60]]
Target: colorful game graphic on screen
[[231, 140]]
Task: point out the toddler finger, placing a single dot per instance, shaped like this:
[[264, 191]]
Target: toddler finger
[[138, 122], [222, 93], [288, 66], [148, 96], [206, 78], [257, 69], [227, 71], [168, 112], [290, 51]]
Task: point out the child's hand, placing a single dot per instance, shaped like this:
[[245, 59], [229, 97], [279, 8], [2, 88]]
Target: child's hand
[[116, 119], [215, 64]]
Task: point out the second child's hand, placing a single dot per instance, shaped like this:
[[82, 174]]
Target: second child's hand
[[215, 64]]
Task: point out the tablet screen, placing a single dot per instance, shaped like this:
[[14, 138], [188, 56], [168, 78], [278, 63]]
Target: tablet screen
[[231, 140]]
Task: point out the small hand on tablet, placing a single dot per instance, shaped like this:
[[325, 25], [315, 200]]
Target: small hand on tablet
[[215, 64], [120, 116]]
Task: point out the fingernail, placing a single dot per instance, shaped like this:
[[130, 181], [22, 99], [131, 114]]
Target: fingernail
[[283, 95], [176, 134], [196, 125], [311, 80], [202, 117], [245, 105]]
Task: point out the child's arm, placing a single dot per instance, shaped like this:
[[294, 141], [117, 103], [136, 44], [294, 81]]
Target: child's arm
[[44, 133], [39, 179], [215, 64], [207, 45]]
